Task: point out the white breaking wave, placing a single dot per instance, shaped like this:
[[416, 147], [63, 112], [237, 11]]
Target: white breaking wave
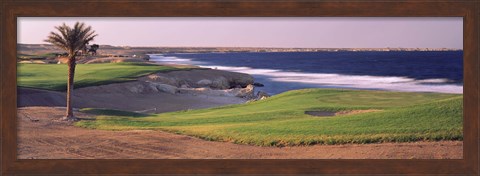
[[434, 81], [170, 59], [392, 83], [351, 81]]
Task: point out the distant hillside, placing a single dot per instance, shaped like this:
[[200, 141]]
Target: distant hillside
[[36, 49]]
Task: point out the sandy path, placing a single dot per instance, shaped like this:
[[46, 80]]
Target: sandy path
[[49, 139]]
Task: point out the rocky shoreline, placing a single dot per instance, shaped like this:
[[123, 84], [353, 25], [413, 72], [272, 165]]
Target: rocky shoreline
[[156, 93], [208, 82]]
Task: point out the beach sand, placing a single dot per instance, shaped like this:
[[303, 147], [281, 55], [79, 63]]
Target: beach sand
[[116, 96]]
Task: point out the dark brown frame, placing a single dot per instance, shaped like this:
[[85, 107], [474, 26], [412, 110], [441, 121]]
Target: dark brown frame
[[469, 10]]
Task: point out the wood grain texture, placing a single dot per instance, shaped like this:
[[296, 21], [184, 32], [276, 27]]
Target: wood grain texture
[[2, 30], [10, 10]]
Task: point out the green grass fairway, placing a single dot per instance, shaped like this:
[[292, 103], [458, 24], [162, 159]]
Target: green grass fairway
[[54, 76], [281, 121], [35, 57]]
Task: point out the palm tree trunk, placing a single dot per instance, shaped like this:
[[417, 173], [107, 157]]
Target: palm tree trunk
[[71, 75]]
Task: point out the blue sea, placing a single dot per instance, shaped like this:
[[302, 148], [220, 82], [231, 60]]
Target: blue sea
[[410, 71]]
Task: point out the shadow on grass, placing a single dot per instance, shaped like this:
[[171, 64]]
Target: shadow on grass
[[112, 112]]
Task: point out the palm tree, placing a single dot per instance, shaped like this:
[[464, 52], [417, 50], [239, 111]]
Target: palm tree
[[71, 40], [93, 49]]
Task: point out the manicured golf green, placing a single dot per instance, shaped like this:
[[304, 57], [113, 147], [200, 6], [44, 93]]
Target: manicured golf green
[[281, 119], [54, 76]]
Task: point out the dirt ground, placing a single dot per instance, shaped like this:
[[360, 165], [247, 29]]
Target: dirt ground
[[41, 136]]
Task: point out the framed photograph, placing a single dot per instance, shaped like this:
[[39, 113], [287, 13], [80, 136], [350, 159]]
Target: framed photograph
[[200, 87]]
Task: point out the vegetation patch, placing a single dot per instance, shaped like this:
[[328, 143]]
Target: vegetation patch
[[52, 76], [37, 57], [281, 120]]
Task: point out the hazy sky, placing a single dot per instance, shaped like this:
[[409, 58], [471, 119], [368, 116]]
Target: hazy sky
[[312, 32]]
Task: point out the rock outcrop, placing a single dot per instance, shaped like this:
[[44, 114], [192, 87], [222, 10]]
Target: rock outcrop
[[202, 78], [256, 84], [261, 95], [164, 87], [197, 82]]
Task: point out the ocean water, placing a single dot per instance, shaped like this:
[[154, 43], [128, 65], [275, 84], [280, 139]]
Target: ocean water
[[411, 71]]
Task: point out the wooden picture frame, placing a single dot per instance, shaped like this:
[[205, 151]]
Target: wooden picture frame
[[10, 10]]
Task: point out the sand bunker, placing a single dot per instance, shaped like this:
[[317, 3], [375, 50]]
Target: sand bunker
[[337, 113]]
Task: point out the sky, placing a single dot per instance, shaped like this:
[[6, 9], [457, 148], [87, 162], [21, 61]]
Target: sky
[[282, 32]]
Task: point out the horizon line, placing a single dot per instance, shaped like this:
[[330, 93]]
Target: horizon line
[[261, 47]]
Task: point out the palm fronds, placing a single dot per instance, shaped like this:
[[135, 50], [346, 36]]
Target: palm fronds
[[70, 39]]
